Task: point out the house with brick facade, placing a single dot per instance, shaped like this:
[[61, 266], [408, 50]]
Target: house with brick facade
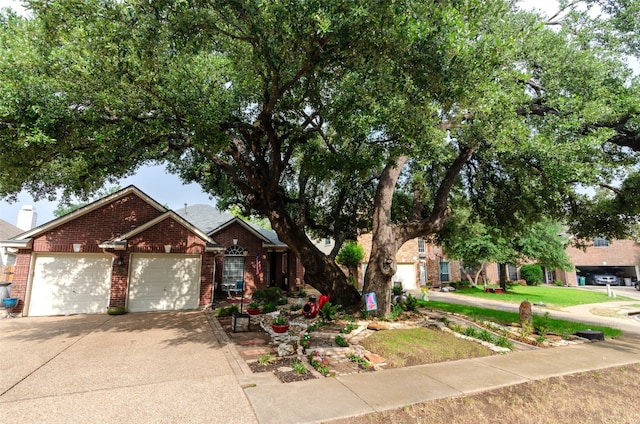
[[128, 250], [267, 262], [419, 263], [601, 256]]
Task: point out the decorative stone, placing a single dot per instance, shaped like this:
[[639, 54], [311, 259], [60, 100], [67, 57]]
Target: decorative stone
[[525, 313], [375, 359], [378, 326], [285, 349]]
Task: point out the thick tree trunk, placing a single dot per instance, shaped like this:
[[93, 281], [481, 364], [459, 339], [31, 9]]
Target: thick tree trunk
[[384, 240], [381, 267], [387, 238], [321, 272], [503, 277]]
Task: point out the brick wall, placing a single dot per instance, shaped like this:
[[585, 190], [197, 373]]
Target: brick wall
[[95, 227], [271, 262], [408, 254], [618, 253]]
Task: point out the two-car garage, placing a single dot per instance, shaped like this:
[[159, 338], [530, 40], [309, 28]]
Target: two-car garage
[[65, 284]]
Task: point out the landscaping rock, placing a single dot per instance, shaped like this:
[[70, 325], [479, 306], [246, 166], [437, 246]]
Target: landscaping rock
[[525, 313], [379, 325], [285, 349]]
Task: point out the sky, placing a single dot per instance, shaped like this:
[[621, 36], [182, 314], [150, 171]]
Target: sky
[[165, 188]]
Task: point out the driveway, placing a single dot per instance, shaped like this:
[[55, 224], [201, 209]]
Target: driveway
[[147, 367]]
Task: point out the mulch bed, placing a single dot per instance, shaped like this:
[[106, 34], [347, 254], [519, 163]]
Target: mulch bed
[[283, 369]]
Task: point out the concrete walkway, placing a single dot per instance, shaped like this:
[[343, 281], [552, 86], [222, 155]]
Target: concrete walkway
[[133, 368]]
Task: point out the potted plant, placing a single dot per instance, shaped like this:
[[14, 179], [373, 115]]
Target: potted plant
[[253, 308], [280, 324]]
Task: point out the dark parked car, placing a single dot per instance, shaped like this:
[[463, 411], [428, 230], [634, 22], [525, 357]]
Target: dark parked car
[[602, 279]]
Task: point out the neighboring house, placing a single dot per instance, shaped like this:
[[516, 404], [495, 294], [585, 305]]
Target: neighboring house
[[419, 264], [128, 250], [7, 258], [7, 231], [616, 257], [252, 254]]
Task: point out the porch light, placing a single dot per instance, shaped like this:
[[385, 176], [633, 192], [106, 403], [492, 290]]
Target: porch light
[[77, 247], [167, 248], [235, 242]]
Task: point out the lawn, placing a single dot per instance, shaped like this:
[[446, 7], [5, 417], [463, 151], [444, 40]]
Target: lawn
[[551, 296], [503, 317], [415, 346]]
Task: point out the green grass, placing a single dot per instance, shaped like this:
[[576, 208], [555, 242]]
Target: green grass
[[503, 317], [414, 346], [550, 296]]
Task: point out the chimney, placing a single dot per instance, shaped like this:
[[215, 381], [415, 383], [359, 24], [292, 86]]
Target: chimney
[[27, 217]]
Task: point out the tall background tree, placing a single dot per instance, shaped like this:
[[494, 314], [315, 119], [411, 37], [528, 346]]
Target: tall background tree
[[326, 117]]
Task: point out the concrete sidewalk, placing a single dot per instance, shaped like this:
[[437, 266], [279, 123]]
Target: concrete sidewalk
[[341, 397]]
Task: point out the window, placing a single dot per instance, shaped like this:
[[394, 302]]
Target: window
[[421, 245], [327, 241], [233, 267], [444, 272], [600, 242], [512, 272]]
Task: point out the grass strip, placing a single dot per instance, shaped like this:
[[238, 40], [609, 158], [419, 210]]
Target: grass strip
[[550, 296], [557, 326]]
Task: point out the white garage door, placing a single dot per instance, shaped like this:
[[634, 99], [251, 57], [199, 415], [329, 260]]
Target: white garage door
[[406, 273], [70, 284], [164, 282]]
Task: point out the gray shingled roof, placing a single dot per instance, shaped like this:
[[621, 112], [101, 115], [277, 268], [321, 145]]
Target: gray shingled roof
[[207, 218], [8, 231]]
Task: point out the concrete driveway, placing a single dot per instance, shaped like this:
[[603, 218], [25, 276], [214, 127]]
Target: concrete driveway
[[149, 367]]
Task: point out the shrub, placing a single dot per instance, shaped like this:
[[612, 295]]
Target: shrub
[[340, 341], [272, 294], [269, 307], [470, 332], [320, 363], [349, 328], [329, 311], [542, 324], [410, 303], [298, 367], [532, 274], [396, 290], [266, 359], [228, 311]]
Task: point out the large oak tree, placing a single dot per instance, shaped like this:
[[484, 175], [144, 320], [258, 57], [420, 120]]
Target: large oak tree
[[327, 117]]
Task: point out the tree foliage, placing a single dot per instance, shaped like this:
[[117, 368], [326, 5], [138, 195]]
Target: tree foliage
[[331, 117], [350, 255]]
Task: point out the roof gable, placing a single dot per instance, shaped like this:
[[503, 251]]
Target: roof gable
[[37, 231], [211, 220]]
